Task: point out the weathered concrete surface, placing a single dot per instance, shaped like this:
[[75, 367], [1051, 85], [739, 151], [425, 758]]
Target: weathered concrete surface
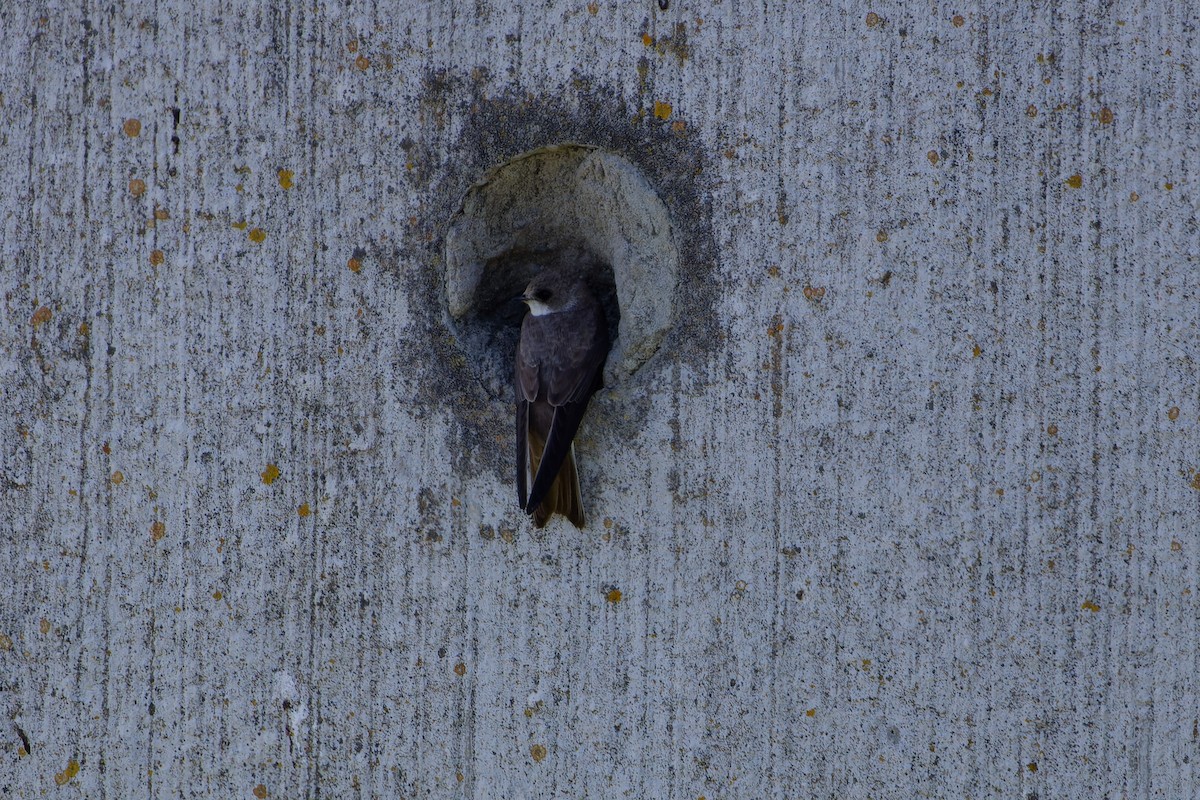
[[908, 508]]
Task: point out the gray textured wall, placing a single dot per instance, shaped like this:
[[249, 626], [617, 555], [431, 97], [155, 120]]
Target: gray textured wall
[[907, 508]]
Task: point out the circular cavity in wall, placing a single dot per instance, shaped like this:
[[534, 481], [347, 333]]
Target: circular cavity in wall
[[567, 207]]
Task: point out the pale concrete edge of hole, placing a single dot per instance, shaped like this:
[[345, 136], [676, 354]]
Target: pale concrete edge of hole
[[568, 206]]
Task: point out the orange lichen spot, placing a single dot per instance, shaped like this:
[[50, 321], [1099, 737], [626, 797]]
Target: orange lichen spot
[[352, 45], [958, 21], [137, 187], [1195, 484], [218, 595], [608, 523], [257, 235], [976, 351], [1173, 413], [1106, 116], [1089, 605], [1176, 546], [613, 596], [41, 316], [240, 225], [161, 214], [773, 270], [647, 40], [593, 8], [537, 752], [775, 328], [999, 493], [812, 712], [363, 63], [1052, 429], [285, 178], [678, 126], [106, 449], [157, 257], [270, 474], [117, 478], [873, 19], [44, 626], [1134, 197], [158, 529], [1031, 111], [662, 110], [1075, 181], [881, 236], [814, 293], [460, 669], [132, 127], [304, 510], [933, 157], [64, 777], [260, 791]]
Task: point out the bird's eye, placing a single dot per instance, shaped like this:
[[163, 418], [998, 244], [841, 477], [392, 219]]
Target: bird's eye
[[542, 295]]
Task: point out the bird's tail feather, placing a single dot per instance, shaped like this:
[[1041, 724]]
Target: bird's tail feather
[[564, 496]]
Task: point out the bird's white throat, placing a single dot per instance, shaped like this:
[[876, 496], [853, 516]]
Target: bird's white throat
[[538, 308]]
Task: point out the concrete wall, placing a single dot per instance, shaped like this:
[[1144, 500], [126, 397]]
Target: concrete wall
[[904, 506]]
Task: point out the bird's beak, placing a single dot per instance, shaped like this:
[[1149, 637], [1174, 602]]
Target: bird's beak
[[521, 298]]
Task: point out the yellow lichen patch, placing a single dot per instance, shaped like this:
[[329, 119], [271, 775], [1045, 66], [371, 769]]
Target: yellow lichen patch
[[1173, 413], [257, 235], [132, 127], [260, 791], [117, 478], [1052, 429], [647, 40], [976, 351], [678, 126], [218, 595], [873, 19], [158, 529], [775, 328], [537, 752], [1031, 111], [613, 596], [814, 293], [1075, 181], [933, 157], [460, 669], [1089, 605], [157, 257], [41, 316], [5, 641], [1031, 766], [137, 187], [44, 626], [1106, 116], [662, 110], [881, 236], [812, 712], [285, 178], [1134, 197], [352, 45], [593, 8], [1176, 546], [304, 510], [1168, 186], [241, 225], [363, 63], [958, 21], [270, 474], [161, 214], [64, 777], [1195, 484]]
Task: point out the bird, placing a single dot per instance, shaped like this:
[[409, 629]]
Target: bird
[[559, 366]]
